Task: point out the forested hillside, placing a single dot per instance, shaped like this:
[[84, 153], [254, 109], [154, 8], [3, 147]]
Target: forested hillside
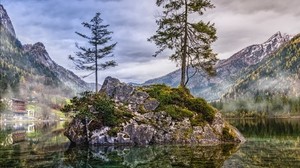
[[271, 86]]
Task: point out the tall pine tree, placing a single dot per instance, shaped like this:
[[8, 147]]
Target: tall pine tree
[[190, 38], [88, 57]]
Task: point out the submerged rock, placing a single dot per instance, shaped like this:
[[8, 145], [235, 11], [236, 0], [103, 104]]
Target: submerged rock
[[149, 124]]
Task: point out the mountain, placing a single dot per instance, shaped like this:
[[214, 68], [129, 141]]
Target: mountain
[[277, 75], [67, 77], [228, 70], [6, 22], [28, 69]]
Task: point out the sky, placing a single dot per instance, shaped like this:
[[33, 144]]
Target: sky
[[239, 23]]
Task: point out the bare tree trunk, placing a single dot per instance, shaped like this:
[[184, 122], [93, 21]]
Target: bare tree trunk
[[184, 54], [87, 130], [96, 71]]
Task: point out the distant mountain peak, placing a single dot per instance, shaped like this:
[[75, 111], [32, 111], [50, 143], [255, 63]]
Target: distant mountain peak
[[39, 45], [6, 22], [39, 50], [279, 38]]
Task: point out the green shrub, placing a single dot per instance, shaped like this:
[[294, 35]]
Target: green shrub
[[198, 120], [179, 103], [98, 108], [178, 113], [106, 111], [200, 106]]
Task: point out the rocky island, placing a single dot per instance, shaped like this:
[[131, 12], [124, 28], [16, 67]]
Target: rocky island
[[122, 114]]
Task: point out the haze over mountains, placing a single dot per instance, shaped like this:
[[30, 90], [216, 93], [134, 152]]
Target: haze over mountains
[[279, 75], [30, 66], [228, 70]]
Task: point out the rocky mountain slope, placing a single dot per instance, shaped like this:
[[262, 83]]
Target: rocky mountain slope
[[6, 22], [146, 115], [228, 70], [277, 75], [42, 57], [20, 63]]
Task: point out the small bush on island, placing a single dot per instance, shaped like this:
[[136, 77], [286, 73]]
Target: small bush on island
[[97, 107]]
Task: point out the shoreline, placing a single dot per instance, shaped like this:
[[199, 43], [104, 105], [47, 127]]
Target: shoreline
[[29, 121], [274, 117]]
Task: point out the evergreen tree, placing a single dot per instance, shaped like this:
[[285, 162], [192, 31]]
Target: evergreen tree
[[88, 58], [190, 41]]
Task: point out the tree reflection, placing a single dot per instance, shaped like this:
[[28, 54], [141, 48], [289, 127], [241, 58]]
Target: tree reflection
[[47, 147], [150, 156]]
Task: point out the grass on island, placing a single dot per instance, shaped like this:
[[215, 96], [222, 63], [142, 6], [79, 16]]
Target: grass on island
[[180, 104]]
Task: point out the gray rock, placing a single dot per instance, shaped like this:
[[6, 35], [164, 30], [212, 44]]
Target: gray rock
[[151, 104], [109, 86], [138, 97], [114, 89], [123, 92], [140, 134], [75, 132]]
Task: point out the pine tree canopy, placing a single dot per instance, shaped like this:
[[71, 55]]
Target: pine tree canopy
[[181, 31], [99, 48]]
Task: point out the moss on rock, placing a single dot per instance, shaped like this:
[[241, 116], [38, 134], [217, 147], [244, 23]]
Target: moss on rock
[[227, 136], [180, 104]]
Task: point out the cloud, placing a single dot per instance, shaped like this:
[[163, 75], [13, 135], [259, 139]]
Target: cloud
[[53, 22], [253, 6]]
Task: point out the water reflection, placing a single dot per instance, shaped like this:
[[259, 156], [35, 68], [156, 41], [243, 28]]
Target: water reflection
[[31, 144], [268, 128], [151, 156], [45, 146], [270, 143]]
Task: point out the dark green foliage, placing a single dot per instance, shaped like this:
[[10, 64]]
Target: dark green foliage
[[180, 104], [98, 108], [9, 79]]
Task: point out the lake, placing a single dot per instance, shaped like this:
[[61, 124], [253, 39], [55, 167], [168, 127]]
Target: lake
[[270, 143]]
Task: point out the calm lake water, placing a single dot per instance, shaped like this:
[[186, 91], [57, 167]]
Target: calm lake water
[[270, 143]]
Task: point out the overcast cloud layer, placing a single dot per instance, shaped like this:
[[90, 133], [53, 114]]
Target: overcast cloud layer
[[53, 22]]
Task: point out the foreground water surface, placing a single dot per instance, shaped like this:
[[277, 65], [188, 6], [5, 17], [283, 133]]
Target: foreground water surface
[[270, 143]]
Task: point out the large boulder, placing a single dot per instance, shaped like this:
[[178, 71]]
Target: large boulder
[[148, 125]]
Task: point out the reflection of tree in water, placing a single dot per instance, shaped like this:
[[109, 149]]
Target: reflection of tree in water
[[267, 128], [267, 153], [14, 155], [46, 150], [151, 156]]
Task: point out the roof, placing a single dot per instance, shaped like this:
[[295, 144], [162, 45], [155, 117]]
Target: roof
[[17, 100]]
